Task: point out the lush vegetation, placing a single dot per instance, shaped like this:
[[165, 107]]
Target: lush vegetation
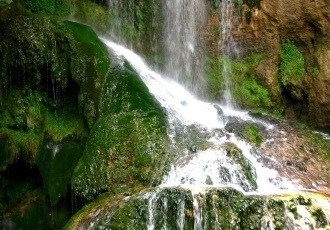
[[51, 77], [124, 159], [292, 65], [252, 134], [246, 90], [48, 7]]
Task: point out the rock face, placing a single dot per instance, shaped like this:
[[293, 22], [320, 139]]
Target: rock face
[[177, 208], [307, 24]]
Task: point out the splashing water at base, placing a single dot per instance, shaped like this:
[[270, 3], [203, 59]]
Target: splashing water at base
[[224, 179], [203, 168]]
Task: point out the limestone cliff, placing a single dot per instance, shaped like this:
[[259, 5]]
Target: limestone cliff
[[305, 23]]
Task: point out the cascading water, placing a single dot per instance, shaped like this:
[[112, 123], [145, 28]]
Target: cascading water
[[222, 161], [228, 47], [183, 48], [183, 109], [212, 161], [122, 20]]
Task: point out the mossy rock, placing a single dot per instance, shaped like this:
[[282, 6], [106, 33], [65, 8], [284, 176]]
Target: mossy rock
[[249, 174], [127, 143], [51, 76], [43, 53], [174, 207], [46, 67], [48, 7], [56, 163]]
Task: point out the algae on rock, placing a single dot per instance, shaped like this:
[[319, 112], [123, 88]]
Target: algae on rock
[[177, 208], [127, 142], [51, 76]]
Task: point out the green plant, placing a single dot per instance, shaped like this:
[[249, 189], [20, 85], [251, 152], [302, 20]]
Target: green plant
[[246, 90], [252, 134], [48, 7], [292, 65]]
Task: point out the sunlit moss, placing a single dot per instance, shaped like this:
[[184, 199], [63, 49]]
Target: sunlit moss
[[292, 65], [252, 134], [48, 7], [246, 90], [127, 142], [62, 123]]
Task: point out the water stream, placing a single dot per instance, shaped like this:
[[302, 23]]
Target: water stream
[[214, 158], [182, 46], [213, 166], [200, 168], [228, 47]]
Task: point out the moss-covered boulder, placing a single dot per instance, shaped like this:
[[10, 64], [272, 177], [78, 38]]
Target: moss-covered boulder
[[176, 208], [51, 73], [127, 142]]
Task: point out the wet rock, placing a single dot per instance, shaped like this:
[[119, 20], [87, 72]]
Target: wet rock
[[248, 177], [219, 110], [208, 180]]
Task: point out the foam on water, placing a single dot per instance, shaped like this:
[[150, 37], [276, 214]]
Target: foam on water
[[200, 170]]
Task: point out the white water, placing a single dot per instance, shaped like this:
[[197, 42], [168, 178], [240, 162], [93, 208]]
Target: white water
[[201, 169], [228, 47], [183, 53]]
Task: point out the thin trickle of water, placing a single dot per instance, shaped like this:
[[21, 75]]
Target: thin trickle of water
[[228, 48], [183, 53], [122, 21], [181, 215], [198, 213], [151, 210]]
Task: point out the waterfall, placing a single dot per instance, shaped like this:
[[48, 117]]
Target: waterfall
[[122, 21], [214, 168], [228, 47], [183, 47], [222, 161], [201, 167]]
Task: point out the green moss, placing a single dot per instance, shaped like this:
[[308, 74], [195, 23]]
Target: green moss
[[64, 122], [56, 163], [277, 209], [213, 209], [37, 120], [292, 207], [133, 215], [292, 65], [52, 75], [320, 218], [48, 7], [93, 14], [246, 90], [52, 54], [247, 170], [252, 134], [127, 142], [89, 67]]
